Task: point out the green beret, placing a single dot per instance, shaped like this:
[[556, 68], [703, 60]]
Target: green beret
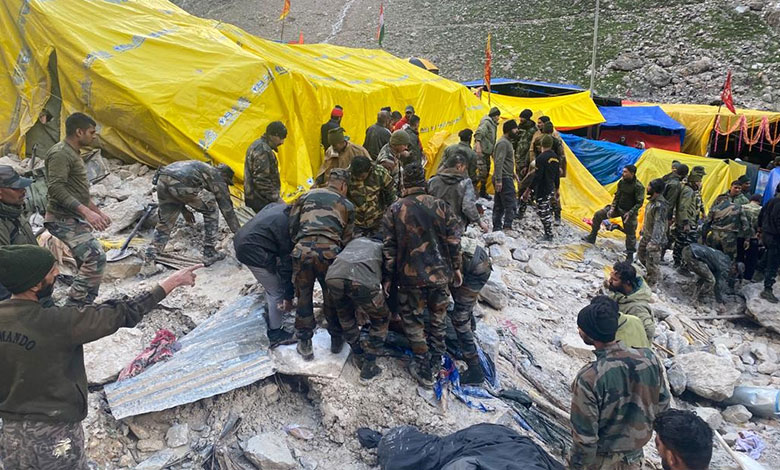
[[336, 136], [24, 266], [546, 141], [400, 137], [494, 111]]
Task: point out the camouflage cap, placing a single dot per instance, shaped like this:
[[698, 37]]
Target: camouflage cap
[[338, 175], [9, 178], [414, 175]]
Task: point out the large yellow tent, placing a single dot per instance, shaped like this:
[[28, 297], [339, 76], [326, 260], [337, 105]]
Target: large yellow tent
[[566, 111], [164, 85]]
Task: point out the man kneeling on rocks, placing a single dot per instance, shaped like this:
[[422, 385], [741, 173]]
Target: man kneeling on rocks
[[43, 394], [354, 283]]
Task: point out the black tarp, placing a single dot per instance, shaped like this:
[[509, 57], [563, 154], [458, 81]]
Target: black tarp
[[482, 447]]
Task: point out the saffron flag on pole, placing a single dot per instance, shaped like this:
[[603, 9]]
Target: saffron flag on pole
[[726, 96], [488, 64], [285, 10], [380, 32]]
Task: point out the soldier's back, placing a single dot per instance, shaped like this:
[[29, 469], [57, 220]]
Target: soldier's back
[[324, 212], [189, 172]]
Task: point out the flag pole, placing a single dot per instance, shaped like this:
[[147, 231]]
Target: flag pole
[[281, 36], [595, 48]]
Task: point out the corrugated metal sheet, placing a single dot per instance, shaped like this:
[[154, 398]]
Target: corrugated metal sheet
[[227, 351]]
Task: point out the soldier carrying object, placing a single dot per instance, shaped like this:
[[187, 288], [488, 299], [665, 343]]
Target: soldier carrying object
[[71, 215], [422, 253], [262, 183], [321, 223]]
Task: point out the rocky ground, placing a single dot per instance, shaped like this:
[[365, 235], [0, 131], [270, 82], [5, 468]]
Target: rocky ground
[[527, 317], [667, 51]]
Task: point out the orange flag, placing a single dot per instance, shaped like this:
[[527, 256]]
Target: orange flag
[[726, 96], [285, 10]]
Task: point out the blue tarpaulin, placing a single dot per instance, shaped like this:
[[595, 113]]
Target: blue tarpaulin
[[604, 160], [643, 118], [774, 180]]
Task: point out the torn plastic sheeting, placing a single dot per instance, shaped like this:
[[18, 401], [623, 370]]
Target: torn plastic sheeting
[[227, 351]]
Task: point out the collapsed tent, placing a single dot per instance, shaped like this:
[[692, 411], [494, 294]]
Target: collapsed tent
[[164, 85], [604, 160], [566, 112], [647, 124]]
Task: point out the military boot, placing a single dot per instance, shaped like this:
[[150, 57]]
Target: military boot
[[420, 368], [304, 348], [369, 369], [211, 255], [336, 344], [589, 239], [629, 257], [768, 295], [474, 374]]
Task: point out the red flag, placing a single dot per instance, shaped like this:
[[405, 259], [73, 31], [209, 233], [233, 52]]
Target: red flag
[[285, 10], [300, 38], [488, 63], [726, 96]]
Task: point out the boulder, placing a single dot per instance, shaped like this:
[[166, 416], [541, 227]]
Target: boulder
[[150, 445], [626, 62], [123, 269], [495, 238], [157, 461], [677, 379], [106, 357], [708, 375], [177, 435], [268, 451], [762, 311], [574, 346], [495, 293], [710, 416], [657, 76], [124, 214], [500, 255], [696, 67], [737, 414], [539, 268], [521, 255]]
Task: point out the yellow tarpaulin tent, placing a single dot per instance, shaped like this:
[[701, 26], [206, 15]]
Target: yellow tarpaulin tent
[[566, 111], [164, 85], [699, 121]]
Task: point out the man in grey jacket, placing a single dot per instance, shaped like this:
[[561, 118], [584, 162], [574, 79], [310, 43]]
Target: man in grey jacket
[[452, 185]]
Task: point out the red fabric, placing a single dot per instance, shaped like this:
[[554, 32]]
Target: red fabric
[[161, 349], [726, 96], [336, 113], [666, 142], [400, 124], [488, 63]]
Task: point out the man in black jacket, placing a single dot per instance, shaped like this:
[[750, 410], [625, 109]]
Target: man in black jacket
[[264, 245], [769, 221], [546, 180]]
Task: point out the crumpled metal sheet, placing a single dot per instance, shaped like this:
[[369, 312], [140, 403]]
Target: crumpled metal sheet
[[227, 351]]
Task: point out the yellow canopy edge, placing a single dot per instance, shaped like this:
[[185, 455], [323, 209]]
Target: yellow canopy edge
[[565, 111]]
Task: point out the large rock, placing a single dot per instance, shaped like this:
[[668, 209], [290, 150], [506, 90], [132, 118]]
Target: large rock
[[500, 255], [268, 451], [521, 255], [677, 379], [538, 267], [124, 214], [177, 435], [762, 311], [495, 293], [708, 375], [574, 346], [495, 238], [123, 269], [657, 76], [106, 357], [158, 461], [710, 416], [626, 62], [696, 67], [737, 414]]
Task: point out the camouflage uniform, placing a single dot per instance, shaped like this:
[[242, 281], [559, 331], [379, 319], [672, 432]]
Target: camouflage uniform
[[476, 272], [653, 240], [672, 193], [421, 251], [355, 290], [262, 184], [526, 133], [40, 445], [197, 185], [68, 189], [321, 221], [392, 164], [750, 257], [686, 225], [711, 265], [629, 198], [725, 224], [614, 402], [741, 199], [371, 198], [536, 149], [486, 136], [14, 230]]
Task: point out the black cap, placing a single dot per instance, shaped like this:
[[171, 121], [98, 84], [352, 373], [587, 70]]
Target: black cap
[[9, 178]]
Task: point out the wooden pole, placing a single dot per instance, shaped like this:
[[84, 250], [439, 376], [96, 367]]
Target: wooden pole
[[595, 48], [281, 36]]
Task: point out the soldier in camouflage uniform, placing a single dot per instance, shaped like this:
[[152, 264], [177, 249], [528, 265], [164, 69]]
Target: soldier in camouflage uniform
[[70, 213], [422, 253], [462, 148], [654, 231], [392, 155], [712, 266], [686, 216], [526, 130], [354, 283], [672, 192], [262, 184], [484, 143], [321, 222], [371, 190], [614, 398], [726, 223], [203, 188], [476, 272], [743, 198], [750, 258], [14, 228]]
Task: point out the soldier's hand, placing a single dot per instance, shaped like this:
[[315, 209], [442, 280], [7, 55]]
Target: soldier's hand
[[625, 216], [498, 185], [457, 279], [182, 277], [484, 226], [386, 288], [95, 220]]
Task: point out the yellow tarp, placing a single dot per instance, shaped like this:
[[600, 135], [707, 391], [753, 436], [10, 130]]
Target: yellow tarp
[[566, 111], [164, 85], [699, 121]]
